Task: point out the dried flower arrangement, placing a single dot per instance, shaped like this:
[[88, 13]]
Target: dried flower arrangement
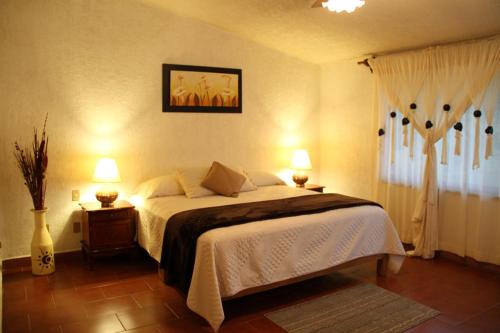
[[33, 166]]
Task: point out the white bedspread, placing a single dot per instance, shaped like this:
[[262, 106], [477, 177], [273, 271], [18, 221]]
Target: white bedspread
[[235, 258]]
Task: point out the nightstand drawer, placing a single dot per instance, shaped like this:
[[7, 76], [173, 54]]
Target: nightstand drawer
[[107, 231], [118, 233], [110, 215]]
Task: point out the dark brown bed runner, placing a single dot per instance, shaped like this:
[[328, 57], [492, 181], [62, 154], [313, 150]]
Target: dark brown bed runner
[[184, 228]]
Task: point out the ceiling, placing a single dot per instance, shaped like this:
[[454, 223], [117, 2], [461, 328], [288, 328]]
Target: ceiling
[[318, 36]]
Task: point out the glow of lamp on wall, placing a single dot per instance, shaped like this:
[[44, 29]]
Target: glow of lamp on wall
[[106, 172], [343, 5], [300, 163]]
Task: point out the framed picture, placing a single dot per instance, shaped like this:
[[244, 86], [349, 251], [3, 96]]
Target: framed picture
[[201, 89]]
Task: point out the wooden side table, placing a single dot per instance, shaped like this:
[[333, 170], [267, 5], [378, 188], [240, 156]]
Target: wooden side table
[[107, 231], [316, 188]]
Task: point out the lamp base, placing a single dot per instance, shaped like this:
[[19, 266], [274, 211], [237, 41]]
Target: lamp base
[[106, 197], [299, 179]]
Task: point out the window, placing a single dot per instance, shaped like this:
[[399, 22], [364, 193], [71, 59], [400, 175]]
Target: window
[[457, 175]]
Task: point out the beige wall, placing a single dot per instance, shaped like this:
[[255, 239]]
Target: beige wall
[[95, 67], [347, 129]]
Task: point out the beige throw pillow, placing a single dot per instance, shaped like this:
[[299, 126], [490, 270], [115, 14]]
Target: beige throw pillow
[[190, 180], [223, 180]]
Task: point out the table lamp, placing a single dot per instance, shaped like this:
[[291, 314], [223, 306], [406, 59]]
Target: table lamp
[[300, 163], [106, 172]]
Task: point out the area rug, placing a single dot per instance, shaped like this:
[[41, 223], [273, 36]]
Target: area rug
[[361, 308]]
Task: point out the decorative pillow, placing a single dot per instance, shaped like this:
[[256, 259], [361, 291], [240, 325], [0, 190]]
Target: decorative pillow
[[264, 178], [223, 180], [160, 187], [190, 180]]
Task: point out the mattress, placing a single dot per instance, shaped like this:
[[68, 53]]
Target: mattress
[[232, 259]]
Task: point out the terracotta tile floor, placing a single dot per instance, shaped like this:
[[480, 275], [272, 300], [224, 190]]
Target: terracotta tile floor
[[121, 295]]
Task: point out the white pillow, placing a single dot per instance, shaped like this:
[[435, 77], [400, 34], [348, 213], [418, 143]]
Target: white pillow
[[160, 187], [264, 178], [190, 180], [247, 185]]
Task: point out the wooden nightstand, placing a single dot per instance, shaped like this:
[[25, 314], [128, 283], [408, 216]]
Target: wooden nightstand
[[107, 231], [316, 188]]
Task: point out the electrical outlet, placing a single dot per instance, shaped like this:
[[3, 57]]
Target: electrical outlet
[[75, 195], [76, 227]]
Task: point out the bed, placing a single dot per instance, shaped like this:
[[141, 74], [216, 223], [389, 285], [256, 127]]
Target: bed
[[238, 260]]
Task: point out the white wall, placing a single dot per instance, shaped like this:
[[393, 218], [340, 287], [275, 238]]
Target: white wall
[[95, 67], [347, 130]]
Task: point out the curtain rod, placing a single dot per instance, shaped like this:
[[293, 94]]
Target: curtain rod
[[366, 63], [373, 56]]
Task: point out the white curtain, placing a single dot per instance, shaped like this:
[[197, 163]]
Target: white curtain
[[437, 118]]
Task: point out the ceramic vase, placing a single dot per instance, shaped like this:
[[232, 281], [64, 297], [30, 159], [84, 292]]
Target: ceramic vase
[[42, 248]]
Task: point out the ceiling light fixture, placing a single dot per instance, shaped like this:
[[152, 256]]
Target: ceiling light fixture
[[341, 5]]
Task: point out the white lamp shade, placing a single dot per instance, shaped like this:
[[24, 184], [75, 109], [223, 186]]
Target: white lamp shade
[[300, 160], [106, 171]]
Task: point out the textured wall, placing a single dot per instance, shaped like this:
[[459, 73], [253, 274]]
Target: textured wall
[[347, 129], [95, 67]]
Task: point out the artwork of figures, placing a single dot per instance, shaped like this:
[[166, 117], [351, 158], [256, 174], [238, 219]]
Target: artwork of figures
[[201, 89]]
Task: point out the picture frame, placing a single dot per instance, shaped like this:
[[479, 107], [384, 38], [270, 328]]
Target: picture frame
[[201, 89]]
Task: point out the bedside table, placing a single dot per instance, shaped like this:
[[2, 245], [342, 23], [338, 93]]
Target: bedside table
[[107, 231], [316, 188]]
